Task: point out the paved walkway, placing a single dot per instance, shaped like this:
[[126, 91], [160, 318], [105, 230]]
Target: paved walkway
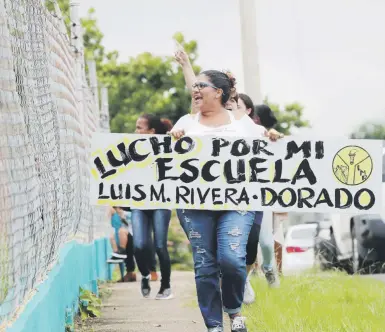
[[126, 310]]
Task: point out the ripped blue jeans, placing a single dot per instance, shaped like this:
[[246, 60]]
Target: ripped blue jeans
[[218, 240]]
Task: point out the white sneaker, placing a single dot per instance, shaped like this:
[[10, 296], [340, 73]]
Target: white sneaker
[[238, 324], [249, 295], [114, 260], [215, 329], [164, 294]]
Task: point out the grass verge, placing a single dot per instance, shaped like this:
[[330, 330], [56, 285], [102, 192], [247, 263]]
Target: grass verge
[[331, 302]]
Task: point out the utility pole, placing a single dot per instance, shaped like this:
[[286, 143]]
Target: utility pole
[[252, 82]]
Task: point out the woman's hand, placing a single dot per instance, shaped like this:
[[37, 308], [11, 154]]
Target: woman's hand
[[182, 58], [177, 133], [273, 135]]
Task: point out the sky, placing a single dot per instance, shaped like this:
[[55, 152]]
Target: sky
[[327, 55]]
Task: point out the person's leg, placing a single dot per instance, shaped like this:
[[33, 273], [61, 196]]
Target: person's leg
[[266, 241], [114, 246], [123, 238], [201, 232], [160, 223], [278, 256], [278, 220], [154, 275], [142, 250], [153, 255], [118, 255], [232, 234], [183, 222], [252, 242], [251, 256], [130, 260]]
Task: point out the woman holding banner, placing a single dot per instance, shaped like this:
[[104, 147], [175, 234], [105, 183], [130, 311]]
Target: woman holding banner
[[218, 238], [241, 105], [157, 220]]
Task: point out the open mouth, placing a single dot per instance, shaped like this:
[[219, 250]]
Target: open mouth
[[197, 97]]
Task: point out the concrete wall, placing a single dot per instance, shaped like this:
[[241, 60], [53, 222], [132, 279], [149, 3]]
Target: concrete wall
[[79, 265]]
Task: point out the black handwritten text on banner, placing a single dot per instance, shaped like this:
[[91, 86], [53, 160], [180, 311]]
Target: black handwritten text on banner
[[219, 173]]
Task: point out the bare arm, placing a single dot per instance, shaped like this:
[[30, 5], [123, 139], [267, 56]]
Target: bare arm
[[110, 212], [182, 58]]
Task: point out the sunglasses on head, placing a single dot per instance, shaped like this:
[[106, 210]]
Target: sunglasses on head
[[202, 85]]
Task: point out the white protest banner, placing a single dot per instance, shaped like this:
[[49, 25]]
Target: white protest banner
[[218, 173]]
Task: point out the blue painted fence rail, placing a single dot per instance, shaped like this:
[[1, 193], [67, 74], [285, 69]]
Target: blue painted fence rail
[[56, 299]]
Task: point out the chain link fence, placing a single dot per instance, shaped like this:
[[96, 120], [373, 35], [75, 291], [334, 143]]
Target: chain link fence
[[48, 113]]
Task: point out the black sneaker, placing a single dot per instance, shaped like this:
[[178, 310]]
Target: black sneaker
[[145, 287], [115, 260], [164, 294], [120, 254], [238, 324]]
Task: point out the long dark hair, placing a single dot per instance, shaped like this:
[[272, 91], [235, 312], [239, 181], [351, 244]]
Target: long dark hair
[[248, 103], [266, 116], [160, 126]]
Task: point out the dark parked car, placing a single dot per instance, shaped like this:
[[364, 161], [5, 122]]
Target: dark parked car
[[355, 243]]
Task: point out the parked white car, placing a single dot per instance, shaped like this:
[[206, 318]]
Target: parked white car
[[298, 250]]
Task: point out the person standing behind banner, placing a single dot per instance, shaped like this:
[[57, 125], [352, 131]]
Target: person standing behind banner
[[241, 106], [271, 237], [118, 238], [245, 107], [226, 254], [146, 221]]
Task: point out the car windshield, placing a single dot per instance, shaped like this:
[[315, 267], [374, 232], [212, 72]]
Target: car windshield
[[303, 233]]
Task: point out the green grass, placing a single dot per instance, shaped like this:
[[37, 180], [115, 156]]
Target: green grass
[[331, 302]]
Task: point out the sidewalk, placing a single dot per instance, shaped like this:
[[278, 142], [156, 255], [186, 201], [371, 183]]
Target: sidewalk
[[126, 310]]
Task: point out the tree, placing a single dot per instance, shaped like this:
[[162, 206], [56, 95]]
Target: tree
[[152, 84], [147, 84], [92, 39], [369, 131], [288, 117], [64, 6], [92, 36]]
